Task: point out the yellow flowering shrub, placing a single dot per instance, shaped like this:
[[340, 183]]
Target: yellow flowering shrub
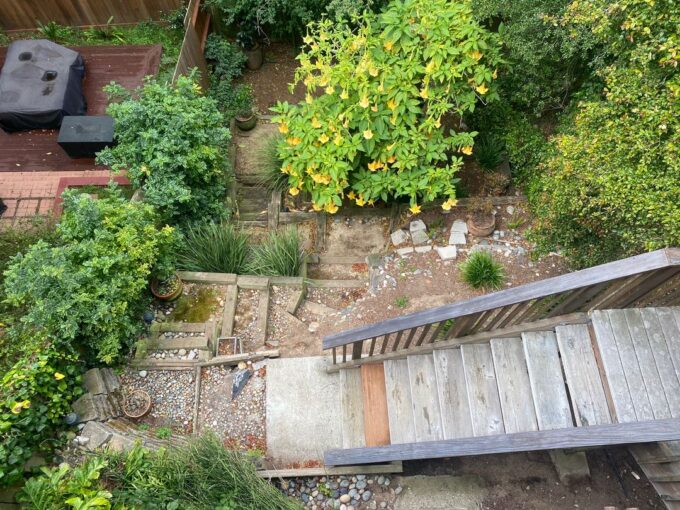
[[372, 124]]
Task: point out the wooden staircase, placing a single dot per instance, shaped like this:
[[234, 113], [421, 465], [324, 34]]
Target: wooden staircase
[[607, 368]]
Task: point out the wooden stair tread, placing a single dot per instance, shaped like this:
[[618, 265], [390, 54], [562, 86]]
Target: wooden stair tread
[[482, 388], [426, 412], [514, 387], [452, 390], [352, 402], [399, 405], [547, 384], [376, 420], [582, 375]]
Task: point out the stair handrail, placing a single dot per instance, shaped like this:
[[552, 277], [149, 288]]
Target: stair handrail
[[647, 279]]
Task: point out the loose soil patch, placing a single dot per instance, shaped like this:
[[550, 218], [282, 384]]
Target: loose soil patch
[[245, 320]]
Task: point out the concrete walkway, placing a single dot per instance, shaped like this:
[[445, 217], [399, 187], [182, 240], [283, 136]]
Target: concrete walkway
[[303, 410]]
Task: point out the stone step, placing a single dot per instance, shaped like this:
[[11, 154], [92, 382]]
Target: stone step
[[189, 342], [111, 380], [94, 383]]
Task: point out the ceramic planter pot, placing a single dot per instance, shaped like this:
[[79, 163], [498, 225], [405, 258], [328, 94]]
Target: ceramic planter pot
[[255, 57], [167, 290], [245, 123], [481, 226]]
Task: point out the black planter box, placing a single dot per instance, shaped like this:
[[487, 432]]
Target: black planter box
[[83, 137]]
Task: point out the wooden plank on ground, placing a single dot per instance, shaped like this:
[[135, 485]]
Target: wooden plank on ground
[[453, 398], [229, 311], [480, 377], [631, 368], [426, 413], [663, 359], [547, 385], [647, 364], [583, 376], [613, 368], [514, 387], [352, 402], [392, 467], [399, 406], [565, 438], [671, 330], [376, 420]]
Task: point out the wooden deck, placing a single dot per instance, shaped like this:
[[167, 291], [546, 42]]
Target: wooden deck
[[614, 380], [33, 151]]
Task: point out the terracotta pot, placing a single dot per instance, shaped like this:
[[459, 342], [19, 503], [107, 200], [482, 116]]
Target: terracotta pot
[[136, 404], [158, 294], [481, 226], [255, 57], [246, 123]]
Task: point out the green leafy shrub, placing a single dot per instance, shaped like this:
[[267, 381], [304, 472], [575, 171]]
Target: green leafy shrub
[[88, 290], [611, 186], [204, 475], [482, 271], [66, 488], [172, 145], [228, 60], [489, 151], [230, 98], [35, 396], [213, 247], [280, 254], [545, 61], [371, 125]]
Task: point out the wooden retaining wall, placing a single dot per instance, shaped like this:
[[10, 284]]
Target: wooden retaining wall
[[24, 14]]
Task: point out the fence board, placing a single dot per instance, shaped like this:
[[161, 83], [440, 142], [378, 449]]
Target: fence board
[[24, 14]]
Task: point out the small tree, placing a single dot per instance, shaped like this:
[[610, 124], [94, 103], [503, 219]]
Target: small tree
[[372, 125], [172, 144]]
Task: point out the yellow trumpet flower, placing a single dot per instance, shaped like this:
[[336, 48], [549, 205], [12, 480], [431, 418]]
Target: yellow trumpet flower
[[451, 202], [364, 102], [294, 191], [331, 208], [477, 55], [315, 123], [344, 94], [482, 89], [388, 45], [324, 138], [283, 128], [294, 140], [467, 150], [415, 209], [368, 134]]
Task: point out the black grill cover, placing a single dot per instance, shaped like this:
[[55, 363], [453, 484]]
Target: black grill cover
[[40, 82]]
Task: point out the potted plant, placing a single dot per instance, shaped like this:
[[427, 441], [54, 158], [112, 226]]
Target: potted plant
[[481, 220], [247, 40], [167, 289], [244, 116]]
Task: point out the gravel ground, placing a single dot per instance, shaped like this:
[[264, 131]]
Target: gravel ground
[[245, 320], [240, 422], [343, 492], [279, 320], [171, 392]]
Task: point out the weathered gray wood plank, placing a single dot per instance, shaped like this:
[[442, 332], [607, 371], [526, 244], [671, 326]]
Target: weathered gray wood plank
[[671, 330], [399, 406], [583, 377], [565, 438], [352, 408], [631, 368], [453, 397], [613, 368], [647, 364], [663, 359], [570, 281], [426, 413], [547, 385], [482, 389], [514, 387]]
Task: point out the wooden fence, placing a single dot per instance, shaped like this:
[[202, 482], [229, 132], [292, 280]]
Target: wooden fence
[[196, 23], [24, 14], [651, 279]]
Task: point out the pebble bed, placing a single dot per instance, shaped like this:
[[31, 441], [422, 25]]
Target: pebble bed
[[184, 354], [245, 320], [171, 392], [357, 492], [240, 422], [278, 323]]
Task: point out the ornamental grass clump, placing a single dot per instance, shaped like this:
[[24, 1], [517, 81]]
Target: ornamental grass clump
[[482, 271], [214, 247], [280, 254], [270, 164]]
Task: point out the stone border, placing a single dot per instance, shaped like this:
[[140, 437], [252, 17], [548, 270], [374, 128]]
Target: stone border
[[389, 468]]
